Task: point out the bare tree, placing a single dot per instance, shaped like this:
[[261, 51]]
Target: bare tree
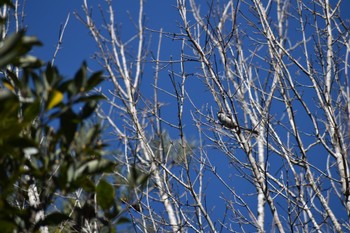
[[276, 84]]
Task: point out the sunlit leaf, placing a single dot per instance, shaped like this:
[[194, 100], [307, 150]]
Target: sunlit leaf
[[30, 41], [9, 48], [70, 173], [28, 61], [14, 46], [55, 97], [8, 85], [14, 79], [94, 166]]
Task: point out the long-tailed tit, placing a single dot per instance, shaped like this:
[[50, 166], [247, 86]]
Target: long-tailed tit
[[227, 121]]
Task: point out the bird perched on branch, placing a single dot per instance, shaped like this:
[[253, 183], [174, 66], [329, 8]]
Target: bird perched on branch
[[227, 121]]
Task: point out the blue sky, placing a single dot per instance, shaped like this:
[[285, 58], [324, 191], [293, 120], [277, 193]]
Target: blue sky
[[44, 18]]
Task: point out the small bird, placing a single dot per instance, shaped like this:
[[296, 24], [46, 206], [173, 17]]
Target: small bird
[[227, 121]]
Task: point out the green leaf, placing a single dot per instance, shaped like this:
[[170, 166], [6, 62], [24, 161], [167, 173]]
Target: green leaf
[[70, 174], [68, 87], [105, 195], [39, 88], [14, 80], [87, 184], [68, 123], [87, 211], [9, 108], [136, 177], [8, 85], [88, 109], [61, 180], [94, 166], [89, 98], [7, 226], [94, 80], [9, 48], [107, 229], [80, 78], [52, 219], [72, 88], [15, 46], [29, 41], [123, 220], [22, 143], [31, 111], [52, 76], [28, 61], [92, 133]]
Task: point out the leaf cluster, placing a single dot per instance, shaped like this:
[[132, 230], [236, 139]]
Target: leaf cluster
[[47, 139]]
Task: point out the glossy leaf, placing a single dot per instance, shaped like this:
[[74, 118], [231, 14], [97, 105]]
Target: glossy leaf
[[14, 46], [28, 61], [57, 149], [9, 48]]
